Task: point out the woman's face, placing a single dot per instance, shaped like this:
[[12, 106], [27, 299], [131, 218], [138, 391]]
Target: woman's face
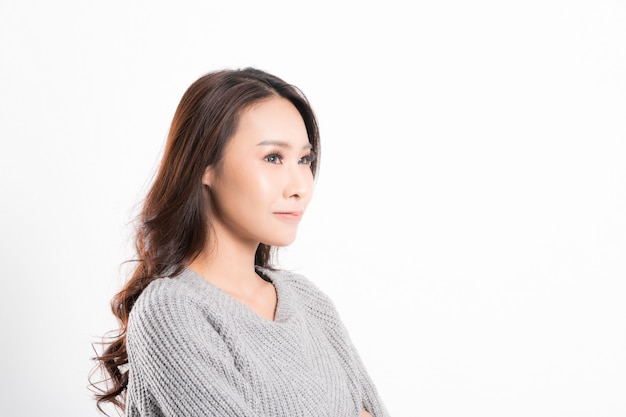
[[265, 182]]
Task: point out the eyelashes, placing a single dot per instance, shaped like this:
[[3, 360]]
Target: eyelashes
[[277, 158], [274, 158], [308, 159]]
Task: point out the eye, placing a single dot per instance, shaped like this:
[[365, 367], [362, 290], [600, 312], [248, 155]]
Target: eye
[[307, 159], [274, 158]]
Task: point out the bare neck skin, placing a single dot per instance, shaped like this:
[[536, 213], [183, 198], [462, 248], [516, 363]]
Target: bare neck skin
[[230, 267]]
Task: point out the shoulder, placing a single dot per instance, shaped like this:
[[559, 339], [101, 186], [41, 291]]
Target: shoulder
[[299, 283], [307, 294], [165, 293], [169, 302]]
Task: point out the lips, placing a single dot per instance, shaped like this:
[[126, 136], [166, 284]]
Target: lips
[[289, 215]]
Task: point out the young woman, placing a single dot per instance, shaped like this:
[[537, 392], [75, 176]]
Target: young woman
[[208, 326]]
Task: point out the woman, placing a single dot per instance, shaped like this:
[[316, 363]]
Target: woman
[[208, 327]]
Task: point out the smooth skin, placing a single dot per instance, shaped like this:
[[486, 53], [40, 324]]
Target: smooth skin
[[258, 195]]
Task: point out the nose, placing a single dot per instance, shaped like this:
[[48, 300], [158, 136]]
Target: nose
[[298, 182]]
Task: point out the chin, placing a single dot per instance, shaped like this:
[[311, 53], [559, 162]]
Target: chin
[[281, 241]]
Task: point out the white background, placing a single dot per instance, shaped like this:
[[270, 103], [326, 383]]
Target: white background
[[470, 213]]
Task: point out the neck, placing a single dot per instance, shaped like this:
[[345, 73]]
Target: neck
[[229, 264]]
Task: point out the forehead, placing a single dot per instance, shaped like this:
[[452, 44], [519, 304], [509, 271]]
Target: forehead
[[273, 119]]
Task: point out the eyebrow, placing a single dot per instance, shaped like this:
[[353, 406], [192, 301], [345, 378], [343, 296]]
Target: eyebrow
[[281, 144]]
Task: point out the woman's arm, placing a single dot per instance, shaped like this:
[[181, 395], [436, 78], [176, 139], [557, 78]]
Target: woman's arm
[[325, 313]]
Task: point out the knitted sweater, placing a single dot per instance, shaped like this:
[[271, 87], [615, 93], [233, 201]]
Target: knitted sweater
[[195, 351]]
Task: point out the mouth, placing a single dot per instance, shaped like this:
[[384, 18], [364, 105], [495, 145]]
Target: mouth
[[289, 215]]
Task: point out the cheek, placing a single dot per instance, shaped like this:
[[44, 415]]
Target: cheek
[[252, 185], [264, 184]]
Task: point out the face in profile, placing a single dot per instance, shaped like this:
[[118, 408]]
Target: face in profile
[[265, 182]]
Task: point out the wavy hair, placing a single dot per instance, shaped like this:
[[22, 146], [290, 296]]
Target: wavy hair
[[174, 225]]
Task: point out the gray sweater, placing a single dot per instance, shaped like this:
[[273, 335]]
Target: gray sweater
[[196, 351]]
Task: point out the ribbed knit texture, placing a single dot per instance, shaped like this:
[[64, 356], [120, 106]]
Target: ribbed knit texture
[[196, 351]]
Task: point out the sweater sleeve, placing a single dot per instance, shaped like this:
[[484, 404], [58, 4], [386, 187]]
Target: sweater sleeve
[[371, 398], [323, 309], [179, 363], [369, 394]]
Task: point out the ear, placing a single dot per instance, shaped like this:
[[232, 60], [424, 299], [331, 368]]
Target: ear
[[208, 176]]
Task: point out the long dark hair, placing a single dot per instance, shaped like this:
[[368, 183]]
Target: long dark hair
[[174, 225]]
